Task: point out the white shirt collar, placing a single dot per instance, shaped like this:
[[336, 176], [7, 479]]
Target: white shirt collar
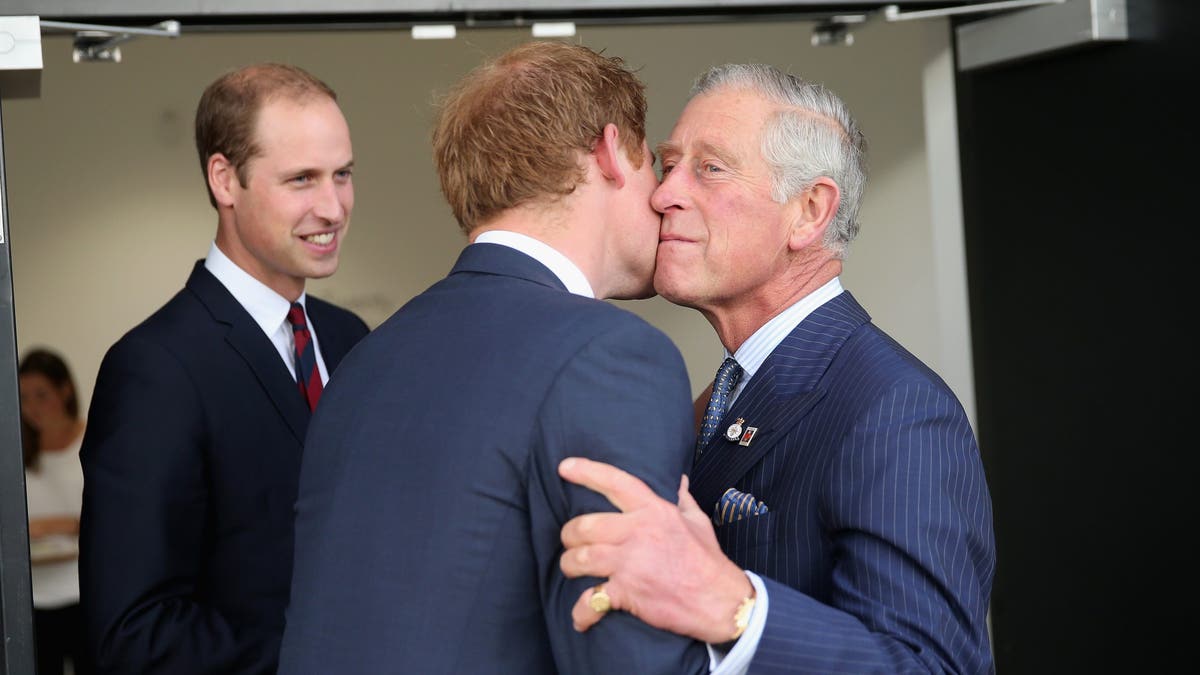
[[562, 267], [755, 350], [268, 308]]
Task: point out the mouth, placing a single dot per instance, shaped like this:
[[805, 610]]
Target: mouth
[[321, 239]]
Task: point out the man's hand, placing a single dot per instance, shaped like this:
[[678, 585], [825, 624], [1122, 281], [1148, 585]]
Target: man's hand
[[662, 560]]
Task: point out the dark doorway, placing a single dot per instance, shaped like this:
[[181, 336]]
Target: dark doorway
[[1079, 189]]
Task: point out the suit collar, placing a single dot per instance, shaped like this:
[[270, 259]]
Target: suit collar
[[563, 267], [268, 308], [784, 390], [505, 261], [247, 339], [755, 350]]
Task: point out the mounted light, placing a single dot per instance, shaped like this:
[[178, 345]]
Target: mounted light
[[99, 43]]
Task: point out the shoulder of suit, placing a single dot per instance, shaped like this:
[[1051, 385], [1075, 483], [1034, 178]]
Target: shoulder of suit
[[877, 356], [616, 323], [182, 314], [319, 308]]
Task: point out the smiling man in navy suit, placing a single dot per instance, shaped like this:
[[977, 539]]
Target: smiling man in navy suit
[[428, 519], [838, 518], [194, 435]]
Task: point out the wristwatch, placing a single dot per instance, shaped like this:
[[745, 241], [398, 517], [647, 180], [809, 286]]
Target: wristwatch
[[741, 617]]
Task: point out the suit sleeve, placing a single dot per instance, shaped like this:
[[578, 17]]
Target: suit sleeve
[[906, 504], [623, 399], [143, 528]]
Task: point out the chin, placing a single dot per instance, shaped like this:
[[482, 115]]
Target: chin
[[321, 272], [671, 292]]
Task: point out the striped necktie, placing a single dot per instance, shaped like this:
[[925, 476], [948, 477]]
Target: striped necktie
[[727, 378], [308, 376]]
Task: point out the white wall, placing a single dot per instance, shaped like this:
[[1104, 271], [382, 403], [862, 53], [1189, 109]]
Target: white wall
[[108, 209]]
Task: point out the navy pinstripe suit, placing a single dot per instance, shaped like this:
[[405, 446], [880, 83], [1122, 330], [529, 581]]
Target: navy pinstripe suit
[[877, 550]]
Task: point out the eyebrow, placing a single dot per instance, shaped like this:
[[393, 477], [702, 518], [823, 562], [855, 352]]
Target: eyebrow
[[705, 148], [720, 153], [312, 170]]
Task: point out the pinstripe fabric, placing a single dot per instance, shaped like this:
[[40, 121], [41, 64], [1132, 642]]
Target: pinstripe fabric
[[878, 548]]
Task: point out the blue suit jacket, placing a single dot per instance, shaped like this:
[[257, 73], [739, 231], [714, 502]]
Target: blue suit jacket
[[191, 459], [430, 508], [877, 546]]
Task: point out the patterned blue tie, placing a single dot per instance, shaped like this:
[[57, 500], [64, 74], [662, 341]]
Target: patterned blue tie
[[727, 378]]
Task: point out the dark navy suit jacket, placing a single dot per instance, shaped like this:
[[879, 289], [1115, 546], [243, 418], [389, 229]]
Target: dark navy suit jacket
[[430, 508], [191, 459], [877, 548]]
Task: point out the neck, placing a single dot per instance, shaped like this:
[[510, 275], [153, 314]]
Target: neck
[[737, 321], [559, 227], [284, 285], [59, 433]]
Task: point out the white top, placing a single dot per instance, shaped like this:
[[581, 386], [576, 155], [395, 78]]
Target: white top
[[562, 267], [55, 488], [268, 308]]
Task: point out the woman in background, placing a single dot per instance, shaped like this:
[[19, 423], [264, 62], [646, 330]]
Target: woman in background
[[52, 433]]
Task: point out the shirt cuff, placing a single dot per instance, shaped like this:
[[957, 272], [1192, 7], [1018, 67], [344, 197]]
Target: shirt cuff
[[736, 661]]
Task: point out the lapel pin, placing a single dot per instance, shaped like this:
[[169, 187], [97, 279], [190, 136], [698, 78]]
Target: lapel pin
[[735, 430], [748, 436]]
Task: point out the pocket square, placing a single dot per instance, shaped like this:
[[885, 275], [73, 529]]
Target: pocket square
[[735, 505]]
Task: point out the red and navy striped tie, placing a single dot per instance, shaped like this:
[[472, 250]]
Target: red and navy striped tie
[[308, 376]]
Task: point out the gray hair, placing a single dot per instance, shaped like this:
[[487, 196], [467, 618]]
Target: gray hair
[[812, 135]]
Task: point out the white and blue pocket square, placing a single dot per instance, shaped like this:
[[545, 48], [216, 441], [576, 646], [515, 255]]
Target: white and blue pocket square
[[735, 505]]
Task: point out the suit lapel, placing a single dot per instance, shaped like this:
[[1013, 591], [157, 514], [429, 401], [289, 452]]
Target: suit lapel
[[784, 390], [248, 340]]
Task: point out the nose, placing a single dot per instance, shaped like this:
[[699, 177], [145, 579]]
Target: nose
[[333, 202], [669, 194]]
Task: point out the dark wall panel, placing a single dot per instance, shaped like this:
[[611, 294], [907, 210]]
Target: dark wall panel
[[1081, 189]]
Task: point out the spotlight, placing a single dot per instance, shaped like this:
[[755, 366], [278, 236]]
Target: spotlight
[[832, 34], [99, 43], [96, 45]]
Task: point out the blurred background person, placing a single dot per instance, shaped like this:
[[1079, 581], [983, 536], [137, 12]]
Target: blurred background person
[[52, 432]]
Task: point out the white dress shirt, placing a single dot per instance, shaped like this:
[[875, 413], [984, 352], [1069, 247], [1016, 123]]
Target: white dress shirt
[[750, 356], [268, 308]]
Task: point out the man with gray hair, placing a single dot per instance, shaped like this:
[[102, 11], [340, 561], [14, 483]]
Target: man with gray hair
[[837, 517]]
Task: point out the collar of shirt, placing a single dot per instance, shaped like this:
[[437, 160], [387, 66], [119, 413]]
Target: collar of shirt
[[755, 350], [562, 267], [268, 308]]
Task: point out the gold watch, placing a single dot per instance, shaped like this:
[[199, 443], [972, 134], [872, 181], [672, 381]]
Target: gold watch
[[741, 618]]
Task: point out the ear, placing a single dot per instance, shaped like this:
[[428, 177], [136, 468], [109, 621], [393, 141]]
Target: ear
[[608, 155], [811, 211], [222, 178]]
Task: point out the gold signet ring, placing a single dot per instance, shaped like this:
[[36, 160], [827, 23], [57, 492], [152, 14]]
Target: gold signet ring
[[599, 602]]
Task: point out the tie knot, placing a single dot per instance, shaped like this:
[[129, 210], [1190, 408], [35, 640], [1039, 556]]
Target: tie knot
[[296, 316], [727, 376]]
